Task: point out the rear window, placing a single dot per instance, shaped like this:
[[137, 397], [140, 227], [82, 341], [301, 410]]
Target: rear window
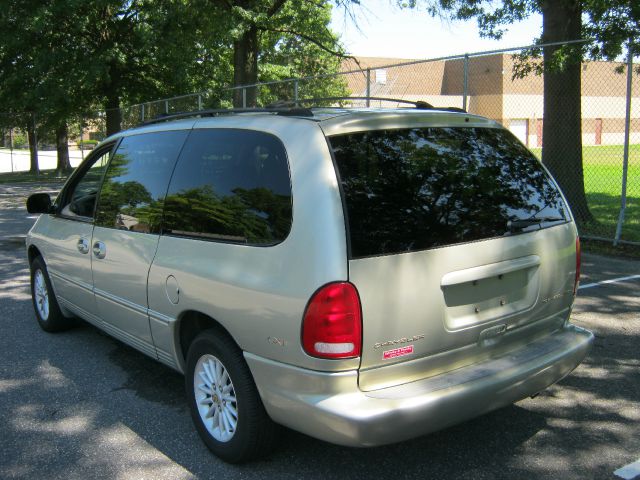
[[422, 188]]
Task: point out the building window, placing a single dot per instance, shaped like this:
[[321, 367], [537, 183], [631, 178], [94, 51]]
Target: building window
[[381, 76], [598, 139]]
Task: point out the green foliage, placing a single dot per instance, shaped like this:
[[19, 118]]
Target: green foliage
[[88, 143], [63, 59], [612, 23], [20, 139]]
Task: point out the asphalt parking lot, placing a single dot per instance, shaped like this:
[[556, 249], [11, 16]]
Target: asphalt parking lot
[[82, 405]]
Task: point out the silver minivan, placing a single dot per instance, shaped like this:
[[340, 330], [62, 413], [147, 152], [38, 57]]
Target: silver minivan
[[362, 276]]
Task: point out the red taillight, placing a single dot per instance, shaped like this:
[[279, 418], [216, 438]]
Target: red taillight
[[578, 262], [332, 323]]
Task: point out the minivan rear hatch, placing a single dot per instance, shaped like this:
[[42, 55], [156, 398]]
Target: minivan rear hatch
[[461, 247]]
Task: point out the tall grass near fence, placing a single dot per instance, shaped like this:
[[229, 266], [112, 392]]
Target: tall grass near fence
[[602, 166]]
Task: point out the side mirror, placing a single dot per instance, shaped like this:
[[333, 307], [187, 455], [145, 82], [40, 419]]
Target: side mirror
[[39, 203]]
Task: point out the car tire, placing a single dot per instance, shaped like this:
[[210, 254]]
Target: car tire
[[230, 417], [45, 304]]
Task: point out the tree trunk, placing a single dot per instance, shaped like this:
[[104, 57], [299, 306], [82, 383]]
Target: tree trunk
[[562, 125], [62, 146], [114, 117], [33, 146], [245, 68]]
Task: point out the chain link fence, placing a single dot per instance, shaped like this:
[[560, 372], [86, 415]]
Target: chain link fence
[[481, 83]]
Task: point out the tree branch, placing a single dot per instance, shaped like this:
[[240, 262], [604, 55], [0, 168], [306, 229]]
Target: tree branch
[[317, 43]]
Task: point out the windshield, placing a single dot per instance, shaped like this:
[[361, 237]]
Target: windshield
[[422, 188]]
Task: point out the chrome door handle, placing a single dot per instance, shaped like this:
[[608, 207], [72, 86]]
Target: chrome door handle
[[99, 249], [83, 245]]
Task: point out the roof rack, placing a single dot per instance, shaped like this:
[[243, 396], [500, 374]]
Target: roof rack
[[291, 108], [419, 104], [285, 111]]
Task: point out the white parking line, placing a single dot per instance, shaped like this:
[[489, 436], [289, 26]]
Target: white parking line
[[604, 282], [629, 472]]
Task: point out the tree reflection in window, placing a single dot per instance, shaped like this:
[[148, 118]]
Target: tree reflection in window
[[423, 188], [230, 185], [132, 194]]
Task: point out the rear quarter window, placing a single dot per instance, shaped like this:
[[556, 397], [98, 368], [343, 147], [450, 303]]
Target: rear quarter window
[[230, 185], [422, 188]]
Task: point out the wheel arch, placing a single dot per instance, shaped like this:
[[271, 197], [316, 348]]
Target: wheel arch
[[191, 323], [33, 252]]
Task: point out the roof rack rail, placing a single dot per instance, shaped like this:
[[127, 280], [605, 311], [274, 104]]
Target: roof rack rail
[[452, 109], [285, 111], [418, 104]]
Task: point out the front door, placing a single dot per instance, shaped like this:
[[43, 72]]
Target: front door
[[126, 233], [69, 237]]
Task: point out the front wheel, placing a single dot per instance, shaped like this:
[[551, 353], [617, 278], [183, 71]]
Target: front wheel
[[48, 313], [224, 402]]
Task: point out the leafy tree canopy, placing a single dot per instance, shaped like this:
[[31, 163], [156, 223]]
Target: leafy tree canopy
[[610, 23], [65, 58]]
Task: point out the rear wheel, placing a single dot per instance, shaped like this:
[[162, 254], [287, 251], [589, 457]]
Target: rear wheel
[[224, 402], [48, 313]]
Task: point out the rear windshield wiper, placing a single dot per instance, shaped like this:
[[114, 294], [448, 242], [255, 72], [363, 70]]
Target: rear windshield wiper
[[514, 225]]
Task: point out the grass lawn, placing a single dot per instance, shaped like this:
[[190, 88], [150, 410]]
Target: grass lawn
[[603, 184], [46, 176]]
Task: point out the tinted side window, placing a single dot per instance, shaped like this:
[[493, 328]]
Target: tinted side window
[[415, 189], [230, 185], [80, 199], [136, 181]]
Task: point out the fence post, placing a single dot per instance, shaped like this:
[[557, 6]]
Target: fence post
[[199, 102], [368, 87], [142, 112], [295, 92], [11, 147], [465, 82], [244, 97], [81, 139], [35, 146], [625, 156], [166, 106]]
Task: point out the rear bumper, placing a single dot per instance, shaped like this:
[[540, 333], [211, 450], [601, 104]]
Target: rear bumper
[[330, 406]]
